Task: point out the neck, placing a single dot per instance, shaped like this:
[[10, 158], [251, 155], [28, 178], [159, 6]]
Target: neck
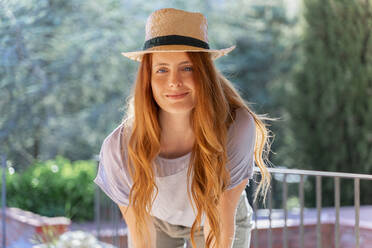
[[177, 136], [175, 124]]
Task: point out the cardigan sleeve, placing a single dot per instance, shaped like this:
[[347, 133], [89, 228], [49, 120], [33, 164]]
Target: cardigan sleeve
[[112, 177], [240, 147]]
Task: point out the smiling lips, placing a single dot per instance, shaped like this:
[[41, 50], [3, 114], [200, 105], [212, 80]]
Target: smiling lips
[[177, 96]]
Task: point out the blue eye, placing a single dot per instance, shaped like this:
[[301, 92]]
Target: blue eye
[[160, 70], [187, 68]]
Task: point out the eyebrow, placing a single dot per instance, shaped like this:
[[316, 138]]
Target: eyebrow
[[183, 62]]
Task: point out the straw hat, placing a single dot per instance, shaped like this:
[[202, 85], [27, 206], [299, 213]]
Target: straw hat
[[174, 30]]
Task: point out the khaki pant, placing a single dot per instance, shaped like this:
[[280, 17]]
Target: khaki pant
[[177, 236]]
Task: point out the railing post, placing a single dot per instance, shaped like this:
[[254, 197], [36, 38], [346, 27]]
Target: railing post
[[301, 196], [97, 210], [318, 207], [337, 206], [115, 224], [117, 219], [270, 218], [3, 199], [285, 197], [357, 208], [113, 238], [255, 208]]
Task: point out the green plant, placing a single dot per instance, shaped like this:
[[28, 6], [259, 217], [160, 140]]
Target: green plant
[[55, 188]]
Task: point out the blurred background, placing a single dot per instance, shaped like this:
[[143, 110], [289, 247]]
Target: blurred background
[[64, 85]]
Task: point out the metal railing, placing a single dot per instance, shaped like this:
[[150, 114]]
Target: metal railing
[[107, 211], [318, 176], [108, 220], [114, 214]]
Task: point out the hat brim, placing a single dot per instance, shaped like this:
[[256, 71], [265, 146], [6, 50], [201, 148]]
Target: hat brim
[[137, 55]]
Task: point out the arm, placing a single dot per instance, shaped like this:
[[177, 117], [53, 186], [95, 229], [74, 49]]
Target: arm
[[227, 208], [129, 218]]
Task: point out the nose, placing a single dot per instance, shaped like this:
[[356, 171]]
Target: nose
[[174, 79]]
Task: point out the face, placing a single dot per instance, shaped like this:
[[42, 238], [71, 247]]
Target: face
[[172, 81]]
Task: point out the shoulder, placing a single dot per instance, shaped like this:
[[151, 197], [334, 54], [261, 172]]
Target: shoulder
[[113, 138], [112, 145], [243, 129], [244, 118]]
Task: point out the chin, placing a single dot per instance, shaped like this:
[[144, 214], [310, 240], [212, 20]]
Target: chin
[[178, 109]]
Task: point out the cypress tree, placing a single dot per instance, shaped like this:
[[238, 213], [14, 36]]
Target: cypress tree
[[330, 105]]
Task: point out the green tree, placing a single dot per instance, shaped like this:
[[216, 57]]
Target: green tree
[[62, 76], [330, 103], [64, 82]]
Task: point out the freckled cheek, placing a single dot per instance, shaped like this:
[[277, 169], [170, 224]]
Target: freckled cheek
[[191, 84], [156, 92]]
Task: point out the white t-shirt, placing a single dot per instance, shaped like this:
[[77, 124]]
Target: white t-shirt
[[172, 203]]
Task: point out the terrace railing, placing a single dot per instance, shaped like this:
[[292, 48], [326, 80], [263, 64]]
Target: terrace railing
[[336, 176], [110, 212]]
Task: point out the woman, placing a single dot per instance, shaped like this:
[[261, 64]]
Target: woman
[[179, 162]]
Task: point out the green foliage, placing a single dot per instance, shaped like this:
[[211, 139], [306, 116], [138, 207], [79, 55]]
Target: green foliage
[[63, 81], [330, 99], [54, 188]]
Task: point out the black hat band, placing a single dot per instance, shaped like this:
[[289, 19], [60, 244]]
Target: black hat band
[[175, 40]]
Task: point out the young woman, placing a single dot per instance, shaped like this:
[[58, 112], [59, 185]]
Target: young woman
[[179, 162]]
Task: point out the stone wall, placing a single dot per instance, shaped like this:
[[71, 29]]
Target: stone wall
[[21, 226]]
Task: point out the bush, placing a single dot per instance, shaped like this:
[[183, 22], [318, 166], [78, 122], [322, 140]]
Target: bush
[[55, 188]]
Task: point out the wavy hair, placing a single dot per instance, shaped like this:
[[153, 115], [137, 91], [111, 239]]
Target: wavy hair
[[216, 102]]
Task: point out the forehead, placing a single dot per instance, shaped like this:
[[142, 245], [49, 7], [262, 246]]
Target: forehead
[[169, 57]]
